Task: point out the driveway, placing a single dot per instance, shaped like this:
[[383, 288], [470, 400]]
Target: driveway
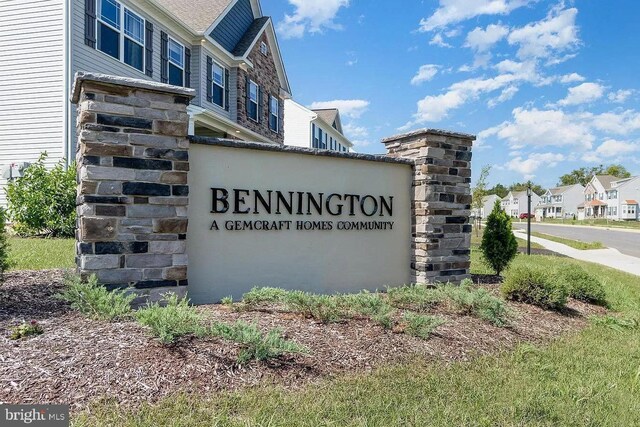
[[627, 243]]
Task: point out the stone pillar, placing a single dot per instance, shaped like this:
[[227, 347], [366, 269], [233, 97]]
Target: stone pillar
[[441, 232], [132, 158]]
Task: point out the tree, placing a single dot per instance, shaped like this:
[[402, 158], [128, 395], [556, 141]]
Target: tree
[[499, 246], [499, 190], [478, 194], [618, 171], [582, 176], [522, 186]]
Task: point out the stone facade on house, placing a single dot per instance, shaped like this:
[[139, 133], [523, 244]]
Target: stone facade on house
[[441, 206], [264, 73], [132, 161]]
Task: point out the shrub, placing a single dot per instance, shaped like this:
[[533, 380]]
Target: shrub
[[421, 326], [499, 246], [534, 285], [477, 302], [369, 304], [227, 301], [43, 201], [254, 344], [26, 330], [582, 285], [267, 295], [321, 307], [5, 264], [418, 297], [173, 321], [94, 300]]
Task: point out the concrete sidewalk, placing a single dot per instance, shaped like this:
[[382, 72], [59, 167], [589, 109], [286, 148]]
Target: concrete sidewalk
[[608, 257]]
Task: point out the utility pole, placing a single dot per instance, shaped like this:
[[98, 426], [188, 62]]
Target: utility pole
[[529, 219]]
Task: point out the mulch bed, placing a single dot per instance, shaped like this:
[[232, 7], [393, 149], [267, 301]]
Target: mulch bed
[[78, 361]]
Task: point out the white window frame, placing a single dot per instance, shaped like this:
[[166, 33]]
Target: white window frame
[[264, 49], [121, 33], [171, 61], [276, 114], [221, 86], [256, 102]]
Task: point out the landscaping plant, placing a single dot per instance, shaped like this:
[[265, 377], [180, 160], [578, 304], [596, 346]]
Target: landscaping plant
[[582, 285], [26, 330], [420, 325], [172, 321], [43, 201], [535, 284], [4, 245], [477, 302], [94, 300], [499, 246]]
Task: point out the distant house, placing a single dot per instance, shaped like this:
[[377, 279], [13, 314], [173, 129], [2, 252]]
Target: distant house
[[560, 202], [320, 129], [515, 203], [488, 203], [224, 49], [609, 197]]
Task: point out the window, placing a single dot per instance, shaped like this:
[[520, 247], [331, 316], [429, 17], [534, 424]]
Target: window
[[130, 47], [264, 48], [314, 139], [253, 101], [274, 114], [218, 83], [176, 63]]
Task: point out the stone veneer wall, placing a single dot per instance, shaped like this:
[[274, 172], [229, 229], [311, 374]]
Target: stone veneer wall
[[132, 159], [441, 233], [265, 75]]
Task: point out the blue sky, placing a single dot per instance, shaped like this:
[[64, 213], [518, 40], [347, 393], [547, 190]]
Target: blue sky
[[548, 86]]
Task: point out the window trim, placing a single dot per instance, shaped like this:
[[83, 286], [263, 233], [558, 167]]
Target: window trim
[[170, 61], [256, 102], [221, 86], [121, 33], [264, 49], [276, 114]]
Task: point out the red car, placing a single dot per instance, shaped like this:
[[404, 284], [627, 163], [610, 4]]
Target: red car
[[525, 215]]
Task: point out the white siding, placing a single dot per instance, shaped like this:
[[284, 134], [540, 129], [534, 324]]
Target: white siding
[[31, 81], [297, 124]]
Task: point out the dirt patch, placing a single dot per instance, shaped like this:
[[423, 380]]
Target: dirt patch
[[78, 360]]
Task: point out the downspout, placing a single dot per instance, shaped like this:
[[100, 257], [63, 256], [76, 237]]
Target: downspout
[[66, 134]]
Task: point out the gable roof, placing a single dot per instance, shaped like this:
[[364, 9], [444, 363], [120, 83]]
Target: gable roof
[[247, 40], [195, 14], [606, 180], [561, 190]]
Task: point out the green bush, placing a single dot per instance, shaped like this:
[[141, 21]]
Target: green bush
[[418, 297], [174, 320], [5, 264], [535, 285], [477, 302], [43, 201], [421, 326], [26, 330], [325, 308], [254, 344], [369, 304], [266, 295], [582, 285], [499, 246], [94, 300]]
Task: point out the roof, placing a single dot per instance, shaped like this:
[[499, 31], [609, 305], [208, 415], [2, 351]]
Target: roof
[[250, 35], [595, 203], [559, 190], [327, 115], [606, 180], [630, 202], [195, 14]]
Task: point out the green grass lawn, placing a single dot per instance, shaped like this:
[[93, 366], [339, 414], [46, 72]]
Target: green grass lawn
[[41, 254], [591, 378], [573, 243]]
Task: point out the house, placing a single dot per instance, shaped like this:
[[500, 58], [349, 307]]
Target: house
[[596, 198], [314, 128], [622, 199], [224, 49], [488, 203], [560, 202], [515, 203]]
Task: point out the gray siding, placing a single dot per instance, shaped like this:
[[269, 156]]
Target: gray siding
[[32, 81], [233, 26], [197, 71], [233, 94], [203, 84]]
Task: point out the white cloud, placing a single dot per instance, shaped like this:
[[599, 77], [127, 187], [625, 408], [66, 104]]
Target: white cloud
[[543, 39], [613, 148], [310, 16], [620, 123], [571, 78], [353, 131], [620, 96], [481, 40], [584, 93], [505, 95], [453, 11], [438, 40], [348, 107], [425, 73], [529, 167]]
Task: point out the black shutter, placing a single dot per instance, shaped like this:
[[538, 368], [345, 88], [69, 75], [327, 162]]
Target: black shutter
[[209, 79], [148, 49], [226, 89], [280, 116], [164, 57], [248, 98], [260, 104], [269, 112], [187, 67], [90, 23]]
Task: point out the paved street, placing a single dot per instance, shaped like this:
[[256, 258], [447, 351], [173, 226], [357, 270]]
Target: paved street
[[626, 242]]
